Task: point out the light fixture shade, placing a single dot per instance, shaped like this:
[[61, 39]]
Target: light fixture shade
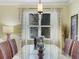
[[7, 29], [40, 8]]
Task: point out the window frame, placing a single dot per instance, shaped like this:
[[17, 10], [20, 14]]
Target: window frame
[[39, 26]]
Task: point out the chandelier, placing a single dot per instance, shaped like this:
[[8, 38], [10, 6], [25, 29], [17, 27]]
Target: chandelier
[[40, 7]]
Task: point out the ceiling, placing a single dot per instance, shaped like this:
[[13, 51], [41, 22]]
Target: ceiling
[[33, 1], [7, 2]]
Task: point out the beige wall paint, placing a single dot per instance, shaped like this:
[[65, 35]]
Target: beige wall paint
[[17, 29], [64, 22], [74, 9], [0, 30], [10, 14]]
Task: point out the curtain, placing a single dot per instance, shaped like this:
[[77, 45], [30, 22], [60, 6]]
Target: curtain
[[55, 25]]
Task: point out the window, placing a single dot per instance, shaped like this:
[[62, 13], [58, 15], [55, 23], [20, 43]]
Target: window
[[45, 31], [45, 19], [39, 25], [46, 25], [33, 19], [33, 32]]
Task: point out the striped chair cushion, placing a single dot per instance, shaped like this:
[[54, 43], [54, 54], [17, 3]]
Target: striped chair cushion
[[68, 46], [75, 50], [13, 45], [5, 50]]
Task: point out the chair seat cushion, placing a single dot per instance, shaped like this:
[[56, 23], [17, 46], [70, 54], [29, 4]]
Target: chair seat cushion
[[13, 45], [5, 50]]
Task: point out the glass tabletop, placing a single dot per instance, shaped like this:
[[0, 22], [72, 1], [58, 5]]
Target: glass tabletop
[[50, 52]]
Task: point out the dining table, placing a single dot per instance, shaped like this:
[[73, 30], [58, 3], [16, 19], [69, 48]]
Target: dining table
[[51, 51]]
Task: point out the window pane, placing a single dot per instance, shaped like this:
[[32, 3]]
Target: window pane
[[33, 32], [33, 19], [45, 31], [45, 19]]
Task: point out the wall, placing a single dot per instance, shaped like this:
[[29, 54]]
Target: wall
[[0, 30], [74, 9], [64, 15], [64, 23], [9, 15]]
